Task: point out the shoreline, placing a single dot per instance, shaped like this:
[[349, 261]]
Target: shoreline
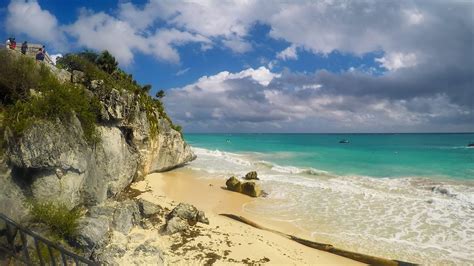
[[176, 185], [225, 239]]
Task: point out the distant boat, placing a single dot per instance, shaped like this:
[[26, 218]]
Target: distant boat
[[344, 141], [470, 144]]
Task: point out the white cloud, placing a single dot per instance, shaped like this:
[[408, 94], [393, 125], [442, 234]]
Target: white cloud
[[260, 100], [237, 45], [101, 31], [261, 75], [182, 71], [289, 53], [318, 27], [55, 57], [162, 44], [29, 18], [394, 61], [414, 16]]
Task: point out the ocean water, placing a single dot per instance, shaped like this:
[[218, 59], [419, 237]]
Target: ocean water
[[401, 196]]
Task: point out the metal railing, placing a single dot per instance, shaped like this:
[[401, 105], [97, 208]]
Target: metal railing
[[14, 241], [31, 52]]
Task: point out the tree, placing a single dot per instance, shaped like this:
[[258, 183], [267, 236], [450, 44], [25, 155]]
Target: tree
[[160, 94], [146, 88], [90, 55], [107, 62], [69, 62]]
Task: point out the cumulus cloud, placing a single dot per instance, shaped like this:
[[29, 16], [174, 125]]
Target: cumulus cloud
[[237, 45], [421, 31], [101, 31], [260, 100], [27, 17], [426, 49], [394, 61], [289, 53], [55, 57], [228, 22], [162, 44]]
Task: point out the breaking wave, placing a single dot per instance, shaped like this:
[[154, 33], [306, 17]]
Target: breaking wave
[[417, 219]]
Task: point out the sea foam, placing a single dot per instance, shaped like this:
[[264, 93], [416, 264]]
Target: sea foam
[[417, 219]]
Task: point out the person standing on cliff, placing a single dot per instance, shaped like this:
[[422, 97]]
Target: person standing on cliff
[[24, 47], [8, 43], [13, 44], [40, 55]]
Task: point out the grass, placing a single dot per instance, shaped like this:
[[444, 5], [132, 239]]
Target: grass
[[57, 217], [40, 96], [30, 94], [121, 81], [18, 74]]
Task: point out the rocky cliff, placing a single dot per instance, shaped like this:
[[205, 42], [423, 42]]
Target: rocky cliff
[[51, 160]]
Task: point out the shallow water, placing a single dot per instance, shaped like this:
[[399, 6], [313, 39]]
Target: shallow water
[[375, 155], [408, 214]]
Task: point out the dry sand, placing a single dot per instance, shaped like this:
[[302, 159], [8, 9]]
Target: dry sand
[[223, 241]]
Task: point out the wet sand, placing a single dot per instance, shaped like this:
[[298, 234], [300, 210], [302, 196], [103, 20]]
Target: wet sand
[[224, 240]]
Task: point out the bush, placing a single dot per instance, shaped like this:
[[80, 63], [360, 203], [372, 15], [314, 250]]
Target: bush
[[72, 62], [160, 94], [18, 74], [107, 62], [57, 217], [55, 100]]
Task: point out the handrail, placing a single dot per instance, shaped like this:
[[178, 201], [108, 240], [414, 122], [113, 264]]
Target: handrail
[[11, 232], [31, 52]]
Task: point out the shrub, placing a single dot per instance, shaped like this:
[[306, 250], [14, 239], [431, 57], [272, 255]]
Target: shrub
[[160, 94], [18, 74], [72, 62], [177, 128], [107, 62], [146, 88], [55, 100], [56, 216]]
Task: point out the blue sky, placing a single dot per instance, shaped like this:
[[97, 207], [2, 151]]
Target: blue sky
[[303, 66]]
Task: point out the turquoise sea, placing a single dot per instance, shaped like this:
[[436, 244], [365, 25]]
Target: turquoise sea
[[402, 196], [376, 155]]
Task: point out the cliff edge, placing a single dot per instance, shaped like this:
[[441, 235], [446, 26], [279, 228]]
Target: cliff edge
[[57, 158]]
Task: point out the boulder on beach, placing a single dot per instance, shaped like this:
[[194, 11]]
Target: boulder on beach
[[251, 176], [233, 184], [175, 225], [250, 188], [182, 216], [148, 209]]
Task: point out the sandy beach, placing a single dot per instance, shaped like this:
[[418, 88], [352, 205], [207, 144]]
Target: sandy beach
[[223, 241]]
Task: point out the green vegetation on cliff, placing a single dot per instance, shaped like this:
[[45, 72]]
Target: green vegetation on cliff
[[29, 92], [104, 67], [57, 217]]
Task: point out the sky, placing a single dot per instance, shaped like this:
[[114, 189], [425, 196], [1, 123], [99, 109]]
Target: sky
[[278, 66]]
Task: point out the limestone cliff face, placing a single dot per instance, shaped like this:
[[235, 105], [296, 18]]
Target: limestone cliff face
[[52, 161]]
